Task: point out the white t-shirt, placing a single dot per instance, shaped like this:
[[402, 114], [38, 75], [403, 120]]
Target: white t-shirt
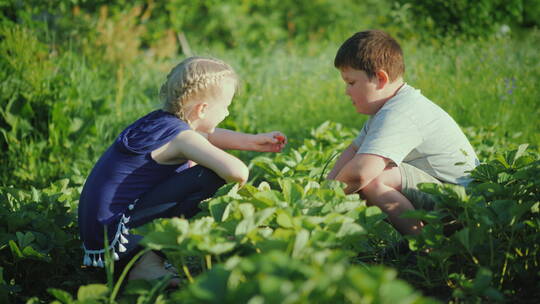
[[410, 128]]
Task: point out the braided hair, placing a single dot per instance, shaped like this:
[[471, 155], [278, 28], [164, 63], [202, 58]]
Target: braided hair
[[193, 77]]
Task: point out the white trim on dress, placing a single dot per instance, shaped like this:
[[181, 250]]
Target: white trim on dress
[[96, 257]]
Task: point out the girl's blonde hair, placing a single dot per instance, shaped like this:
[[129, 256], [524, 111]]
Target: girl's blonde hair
[[194, 77]]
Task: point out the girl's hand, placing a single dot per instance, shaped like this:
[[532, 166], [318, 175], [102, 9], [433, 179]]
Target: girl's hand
[[273, 141]]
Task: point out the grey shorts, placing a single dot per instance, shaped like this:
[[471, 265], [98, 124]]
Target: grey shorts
[[410, 178]]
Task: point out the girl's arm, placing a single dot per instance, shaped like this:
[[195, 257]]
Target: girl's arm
[[262, 142], [343, 159], [193, 146]]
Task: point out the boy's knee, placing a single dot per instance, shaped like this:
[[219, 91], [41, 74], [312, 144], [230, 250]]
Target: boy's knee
[[374, 187], [381, 184]]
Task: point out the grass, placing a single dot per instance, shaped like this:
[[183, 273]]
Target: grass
[[490, 83], [482, 84]]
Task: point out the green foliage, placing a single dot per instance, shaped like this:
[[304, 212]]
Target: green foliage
[[295, 237], [531, 13], [274, 277], [304, 163], [37, 236], [484, 239], [74, 72], [462, 17], [50, 109], [300, 220], [261, 23]]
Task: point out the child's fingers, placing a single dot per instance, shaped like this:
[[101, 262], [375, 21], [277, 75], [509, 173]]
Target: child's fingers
[[280, 137]]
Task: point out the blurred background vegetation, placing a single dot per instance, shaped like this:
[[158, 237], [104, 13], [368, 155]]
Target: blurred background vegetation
[[74, 72]]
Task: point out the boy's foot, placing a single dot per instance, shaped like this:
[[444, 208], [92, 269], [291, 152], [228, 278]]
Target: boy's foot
[[151, 266]]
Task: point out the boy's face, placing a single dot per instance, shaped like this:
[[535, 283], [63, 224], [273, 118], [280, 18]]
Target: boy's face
[[362, 90]]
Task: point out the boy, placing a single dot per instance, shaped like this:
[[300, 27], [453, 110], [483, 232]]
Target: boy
[[407, 139]]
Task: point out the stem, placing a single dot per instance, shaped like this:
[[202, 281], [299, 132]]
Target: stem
[[188, 274], [109, 263], [491, 255], [186, 271], [503, 272], [125, 272], [326, 165], [208, 261], [203, 265]]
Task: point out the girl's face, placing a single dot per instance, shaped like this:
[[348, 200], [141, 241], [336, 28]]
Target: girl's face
[[217, 107]]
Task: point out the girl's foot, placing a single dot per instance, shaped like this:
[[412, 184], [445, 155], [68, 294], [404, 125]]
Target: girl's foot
[[151, 266]]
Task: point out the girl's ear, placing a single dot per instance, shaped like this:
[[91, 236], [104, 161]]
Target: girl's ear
[[382, 79], [200, 109]]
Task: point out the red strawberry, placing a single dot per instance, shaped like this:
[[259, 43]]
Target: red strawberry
[[280, 138]]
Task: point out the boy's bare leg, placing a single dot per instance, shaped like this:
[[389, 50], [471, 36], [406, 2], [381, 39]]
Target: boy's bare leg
[[385, 192]]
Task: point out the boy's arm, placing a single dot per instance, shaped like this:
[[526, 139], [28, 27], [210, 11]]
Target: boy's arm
[[262, 142], [361, 170], [343, 159]]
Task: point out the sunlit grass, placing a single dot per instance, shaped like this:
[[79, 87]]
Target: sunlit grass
[[492, 83]]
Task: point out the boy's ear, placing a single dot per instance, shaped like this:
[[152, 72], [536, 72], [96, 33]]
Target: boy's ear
[[382, 79]]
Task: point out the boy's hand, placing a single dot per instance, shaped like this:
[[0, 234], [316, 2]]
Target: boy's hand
[[273, 141]]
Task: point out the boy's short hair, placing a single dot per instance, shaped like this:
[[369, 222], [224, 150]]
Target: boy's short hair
[[370, 51]]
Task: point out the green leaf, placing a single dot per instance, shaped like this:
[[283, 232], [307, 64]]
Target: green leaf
[[30, 252], [263, 215], [17, 254], [219, 248], [248, 191], [292, 192], [137, 287], [300, 242], [92, 292], [217, 208], [518, 210], [264, 186], [267, 165], [464, 238], [60, 295], [247, 210], [284, 220], [482, 280], [159, 240], [230, 189], [519, 152], [25, 239], [350, 229], [374, 214], [244, 227], [267, 198], [211, 286]]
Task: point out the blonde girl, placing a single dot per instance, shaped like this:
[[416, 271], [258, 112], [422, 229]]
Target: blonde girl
[[165, 163]]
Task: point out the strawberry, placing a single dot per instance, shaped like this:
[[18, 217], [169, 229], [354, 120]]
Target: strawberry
[[280, 138]]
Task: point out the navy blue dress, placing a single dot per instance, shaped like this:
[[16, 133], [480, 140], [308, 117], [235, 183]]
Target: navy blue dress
[[124, 173]]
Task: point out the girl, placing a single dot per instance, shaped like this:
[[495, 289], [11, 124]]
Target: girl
[[146, 173]]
